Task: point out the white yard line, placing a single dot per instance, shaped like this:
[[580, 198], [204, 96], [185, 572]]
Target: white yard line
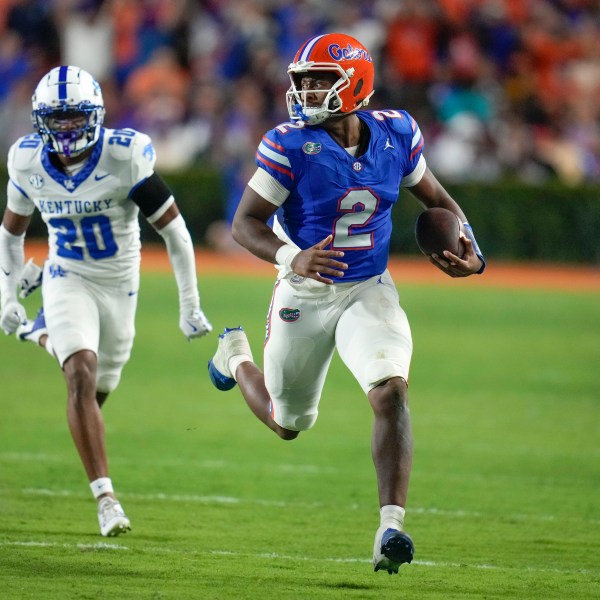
[[201, 499], [273, 556], [200, 464]]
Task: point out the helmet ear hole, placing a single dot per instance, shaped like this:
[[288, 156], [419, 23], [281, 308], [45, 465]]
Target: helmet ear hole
[[358, 87]]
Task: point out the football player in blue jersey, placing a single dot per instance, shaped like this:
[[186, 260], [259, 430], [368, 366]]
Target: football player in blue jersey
[[89, 184], [334, 173]]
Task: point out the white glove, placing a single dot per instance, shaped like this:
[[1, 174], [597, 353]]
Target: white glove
[[31, 278], [194, 324], [13, 314]]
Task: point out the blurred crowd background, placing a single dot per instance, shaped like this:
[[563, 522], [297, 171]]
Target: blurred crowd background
[[500, 88]]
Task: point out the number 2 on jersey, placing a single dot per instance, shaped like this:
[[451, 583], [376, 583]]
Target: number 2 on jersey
[[344, 235], [97, 234]]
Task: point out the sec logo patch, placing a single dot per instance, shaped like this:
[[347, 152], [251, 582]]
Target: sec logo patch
[[36, 181]]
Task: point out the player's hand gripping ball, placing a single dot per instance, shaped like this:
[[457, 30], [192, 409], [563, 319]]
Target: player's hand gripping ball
[[438, 229]]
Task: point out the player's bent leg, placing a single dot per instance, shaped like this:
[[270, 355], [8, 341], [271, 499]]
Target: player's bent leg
[[233, 364], [252, 385]]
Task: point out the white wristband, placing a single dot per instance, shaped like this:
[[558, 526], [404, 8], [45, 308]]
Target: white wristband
[[286, 254]]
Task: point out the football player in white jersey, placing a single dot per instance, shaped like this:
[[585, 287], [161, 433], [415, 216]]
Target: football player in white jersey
[[334, 173], [89, 184]]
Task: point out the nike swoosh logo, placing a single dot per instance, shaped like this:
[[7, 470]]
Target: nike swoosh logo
[[131, 293], [194, 329], [7, 273], [99, 177]]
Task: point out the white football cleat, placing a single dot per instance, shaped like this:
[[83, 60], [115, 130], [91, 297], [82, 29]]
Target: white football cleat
[[232, 342], [392, 548], [111, 517]]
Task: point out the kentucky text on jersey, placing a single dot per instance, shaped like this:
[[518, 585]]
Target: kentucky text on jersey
[[68, 207]]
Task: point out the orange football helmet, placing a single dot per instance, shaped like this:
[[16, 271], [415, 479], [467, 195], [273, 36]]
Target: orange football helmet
[[338, 53]]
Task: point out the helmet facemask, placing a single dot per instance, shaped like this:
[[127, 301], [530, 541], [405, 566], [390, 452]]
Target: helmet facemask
[[298, 106], [69, 142]]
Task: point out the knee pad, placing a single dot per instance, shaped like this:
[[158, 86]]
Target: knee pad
[[294, 422], [107, 382]]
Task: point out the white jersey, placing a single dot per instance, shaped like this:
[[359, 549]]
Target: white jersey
[[93, 227]]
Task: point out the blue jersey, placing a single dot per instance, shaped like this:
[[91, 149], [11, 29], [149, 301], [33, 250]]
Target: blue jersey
[[332, 192]]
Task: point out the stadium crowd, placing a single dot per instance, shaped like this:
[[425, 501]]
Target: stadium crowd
[[499, 87]]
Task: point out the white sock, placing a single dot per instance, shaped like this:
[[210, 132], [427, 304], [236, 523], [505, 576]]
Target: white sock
[[236, 361], [392, 517], [102, 485]]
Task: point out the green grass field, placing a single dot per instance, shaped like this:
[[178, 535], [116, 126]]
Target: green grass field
[[505, 396]]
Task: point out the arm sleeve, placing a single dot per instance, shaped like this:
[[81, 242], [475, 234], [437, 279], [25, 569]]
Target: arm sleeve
[[416, 176], [17, 200], [181, 254], [268, 187], [12, 255]]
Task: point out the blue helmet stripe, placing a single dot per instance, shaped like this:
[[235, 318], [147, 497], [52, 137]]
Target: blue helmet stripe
[[62, 83]]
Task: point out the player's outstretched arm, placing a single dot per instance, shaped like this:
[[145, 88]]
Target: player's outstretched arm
[[12, 238], [172, 228]]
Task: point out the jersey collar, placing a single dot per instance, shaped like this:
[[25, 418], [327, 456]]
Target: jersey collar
[[72, 183]]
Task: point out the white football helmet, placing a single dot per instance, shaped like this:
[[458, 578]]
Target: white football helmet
[[68, 93]]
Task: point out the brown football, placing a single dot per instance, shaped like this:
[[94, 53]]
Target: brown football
[[438, 229]]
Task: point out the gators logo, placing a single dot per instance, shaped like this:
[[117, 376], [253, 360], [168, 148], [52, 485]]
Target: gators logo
[[311, 148], [289, 315]]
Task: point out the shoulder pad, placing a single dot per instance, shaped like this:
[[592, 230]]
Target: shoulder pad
[[396, 120], [24, 152], [125, 144], [288, 136]]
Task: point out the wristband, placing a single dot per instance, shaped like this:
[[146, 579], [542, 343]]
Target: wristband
[[469, 233], [285, 255]]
